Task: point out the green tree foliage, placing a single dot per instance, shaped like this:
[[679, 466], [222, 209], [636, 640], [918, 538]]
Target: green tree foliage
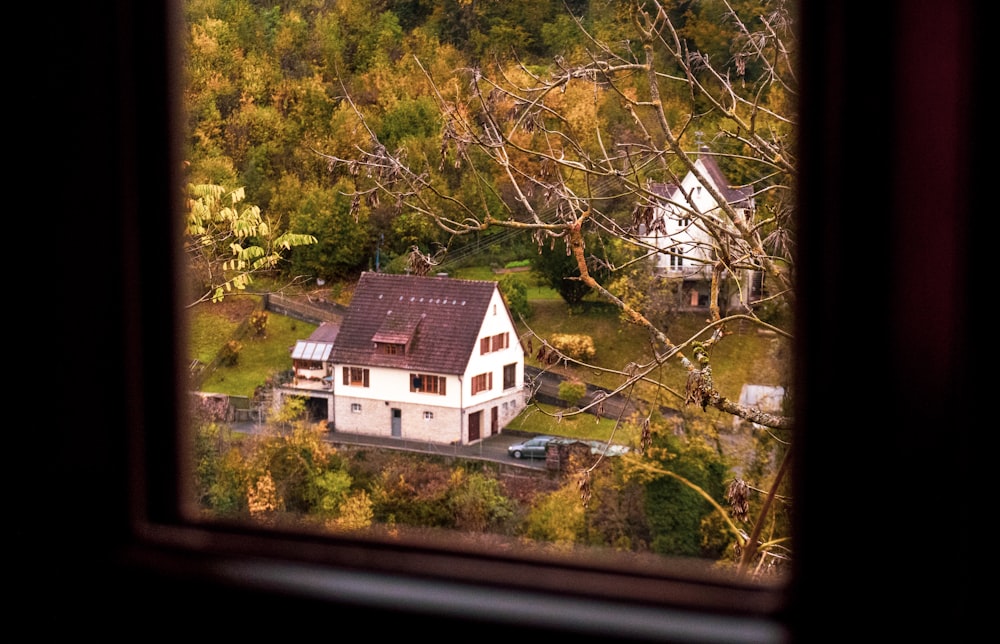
[[478, 503], [412, 492], [343, 242], [227, 241], [292, 409], [616, 510], [559, 270], [515, 294], [309, 478], [678, 504], [410, 117], [556, 517], [220, 481]]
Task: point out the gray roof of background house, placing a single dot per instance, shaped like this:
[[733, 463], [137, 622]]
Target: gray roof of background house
[[439, 317], [738, 197], [325, 332]]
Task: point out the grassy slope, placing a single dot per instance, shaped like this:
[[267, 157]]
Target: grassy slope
[[212, 325]]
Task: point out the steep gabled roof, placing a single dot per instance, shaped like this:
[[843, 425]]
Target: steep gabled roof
[[738, 197], [437, 318]]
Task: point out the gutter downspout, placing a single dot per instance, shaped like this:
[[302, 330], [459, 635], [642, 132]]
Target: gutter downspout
[[461, 411]]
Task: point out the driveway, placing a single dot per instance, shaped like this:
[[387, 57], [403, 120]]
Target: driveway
[[492, 448]]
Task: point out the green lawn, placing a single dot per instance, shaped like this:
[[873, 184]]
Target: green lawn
[[212, 325], [546, 419]]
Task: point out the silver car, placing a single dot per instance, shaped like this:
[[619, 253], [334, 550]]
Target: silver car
[[531, 448]]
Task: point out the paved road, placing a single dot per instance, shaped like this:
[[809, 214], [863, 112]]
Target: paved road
[[546, 390], [493, 448]]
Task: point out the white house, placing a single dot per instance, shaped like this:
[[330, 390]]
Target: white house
[[422, 358], [679, 226]]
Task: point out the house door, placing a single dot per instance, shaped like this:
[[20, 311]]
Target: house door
[[397, 422], [494, 421], [475, 421]]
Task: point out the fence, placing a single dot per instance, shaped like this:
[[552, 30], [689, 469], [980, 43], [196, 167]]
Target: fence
[[198, 371], [311, 311]]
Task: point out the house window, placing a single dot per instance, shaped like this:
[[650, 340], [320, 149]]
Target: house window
[[428, 415], [482, 382], [392, 349], [355, 408], [427, 384], [355, 377], [677, 258], [494, 343], [509, 375]]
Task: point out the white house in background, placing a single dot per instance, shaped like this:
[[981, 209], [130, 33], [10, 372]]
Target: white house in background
[[675, 225], [424, 358]]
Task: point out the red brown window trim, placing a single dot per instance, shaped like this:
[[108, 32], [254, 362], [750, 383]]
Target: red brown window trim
[[356, 376], [482, 382], [428, 384]]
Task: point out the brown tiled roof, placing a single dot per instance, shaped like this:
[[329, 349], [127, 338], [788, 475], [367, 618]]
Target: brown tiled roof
[[439, 318]]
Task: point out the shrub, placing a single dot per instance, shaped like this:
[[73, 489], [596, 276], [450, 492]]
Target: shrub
[[576, 346], [572, 391], [230, 353], [258, 322]]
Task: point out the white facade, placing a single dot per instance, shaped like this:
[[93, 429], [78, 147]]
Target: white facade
[[389, 406], [679, 228]]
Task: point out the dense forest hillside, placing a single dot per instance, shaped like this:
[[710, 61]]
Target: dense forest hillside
[[275, 90]]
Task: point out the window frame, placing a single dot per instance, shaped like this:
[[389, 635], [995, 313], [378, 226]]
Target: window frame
[[510, 376], [439, 388], [356, 376], [481, 382], [159, 545], [434, 577]]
